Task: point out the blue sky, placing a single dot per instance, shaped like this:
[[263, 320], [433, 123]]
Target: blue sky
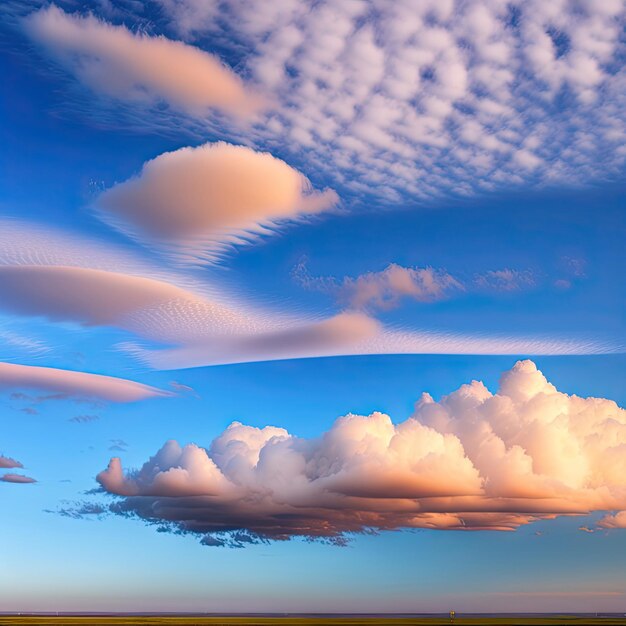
[[308, 212]]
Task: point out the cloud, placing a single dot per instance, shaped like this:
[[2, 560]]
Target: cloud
[[75, 384], [47, 273], [201, 200], [383, 290], [472, 461], [84, 419], [118, 63], [8, 463], [505, 280], [613, 521], [16, 478], [432, 99]]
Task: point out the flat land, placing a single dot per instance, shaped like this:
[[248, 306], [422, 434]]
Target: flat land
[[556, 620]]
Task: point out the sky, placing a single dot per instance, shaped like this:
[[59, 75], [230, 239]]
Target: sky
[[312, 306]]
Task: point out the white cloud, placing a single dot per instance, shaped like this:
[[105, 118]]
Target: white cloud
[[430, 99], [473, 460], [133, 66], [198, 201]]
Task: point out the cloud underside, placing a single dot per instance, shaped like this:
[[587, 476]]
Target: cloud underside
[[196, 202], [70, 384], [116, 62], [473, 460], [6, 462]]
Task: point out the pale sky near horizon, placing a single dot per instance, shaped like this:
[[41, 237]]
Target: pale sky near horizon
[[312, 306]]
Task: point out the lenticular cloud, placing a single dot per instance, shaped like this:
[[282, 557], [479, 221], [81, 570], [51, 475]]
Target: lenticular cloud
[[472, 461]]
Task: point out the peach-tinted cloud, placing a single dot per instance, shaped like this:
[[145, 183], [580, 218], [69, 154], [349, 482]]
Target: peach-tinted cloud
[[385, 289], [75, 384], [45, 272], [7, 462], [613, 521], [17, 478], [200, 200], [473, 460], [133, 66]]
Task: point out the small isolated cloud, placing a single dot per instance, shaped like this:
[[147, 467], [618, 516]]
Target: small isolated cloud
[[82, 510], [505, 280], [183, 389], [71, 384], [17, 478], [7, 462], [136, 67], [118, 445], [202, 200], [83, 419], [472, 461], [618, 520], [383, 290]]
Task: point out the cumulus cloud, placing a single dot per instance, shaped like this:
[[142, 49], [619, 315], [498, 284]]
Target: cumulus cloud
[[473, 460], [7, 462], [613, 521], [17, 478], [134, 66], [200, 200], [75, 384], [385, 289]]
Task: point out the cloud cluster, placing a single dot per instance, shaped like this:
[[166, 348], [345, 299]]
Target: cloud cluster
[[200, 200], [133, 66], [473, 460], [434, 98], [385, 289], [49, 274], [69, 384]]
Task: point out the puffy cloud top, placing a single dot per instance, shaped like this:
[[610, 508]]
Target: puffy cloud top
[[473, 460]]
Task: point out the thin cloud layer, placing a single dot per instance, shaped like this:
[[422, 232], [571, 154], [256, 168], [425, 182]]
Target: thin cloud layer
[[472, 461], [114, 61], [201, 200], [50, 274], [75, 384]]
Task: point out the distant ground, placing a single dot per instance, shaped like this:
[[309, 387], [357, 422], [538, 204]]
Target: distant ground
[[555, 620]]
